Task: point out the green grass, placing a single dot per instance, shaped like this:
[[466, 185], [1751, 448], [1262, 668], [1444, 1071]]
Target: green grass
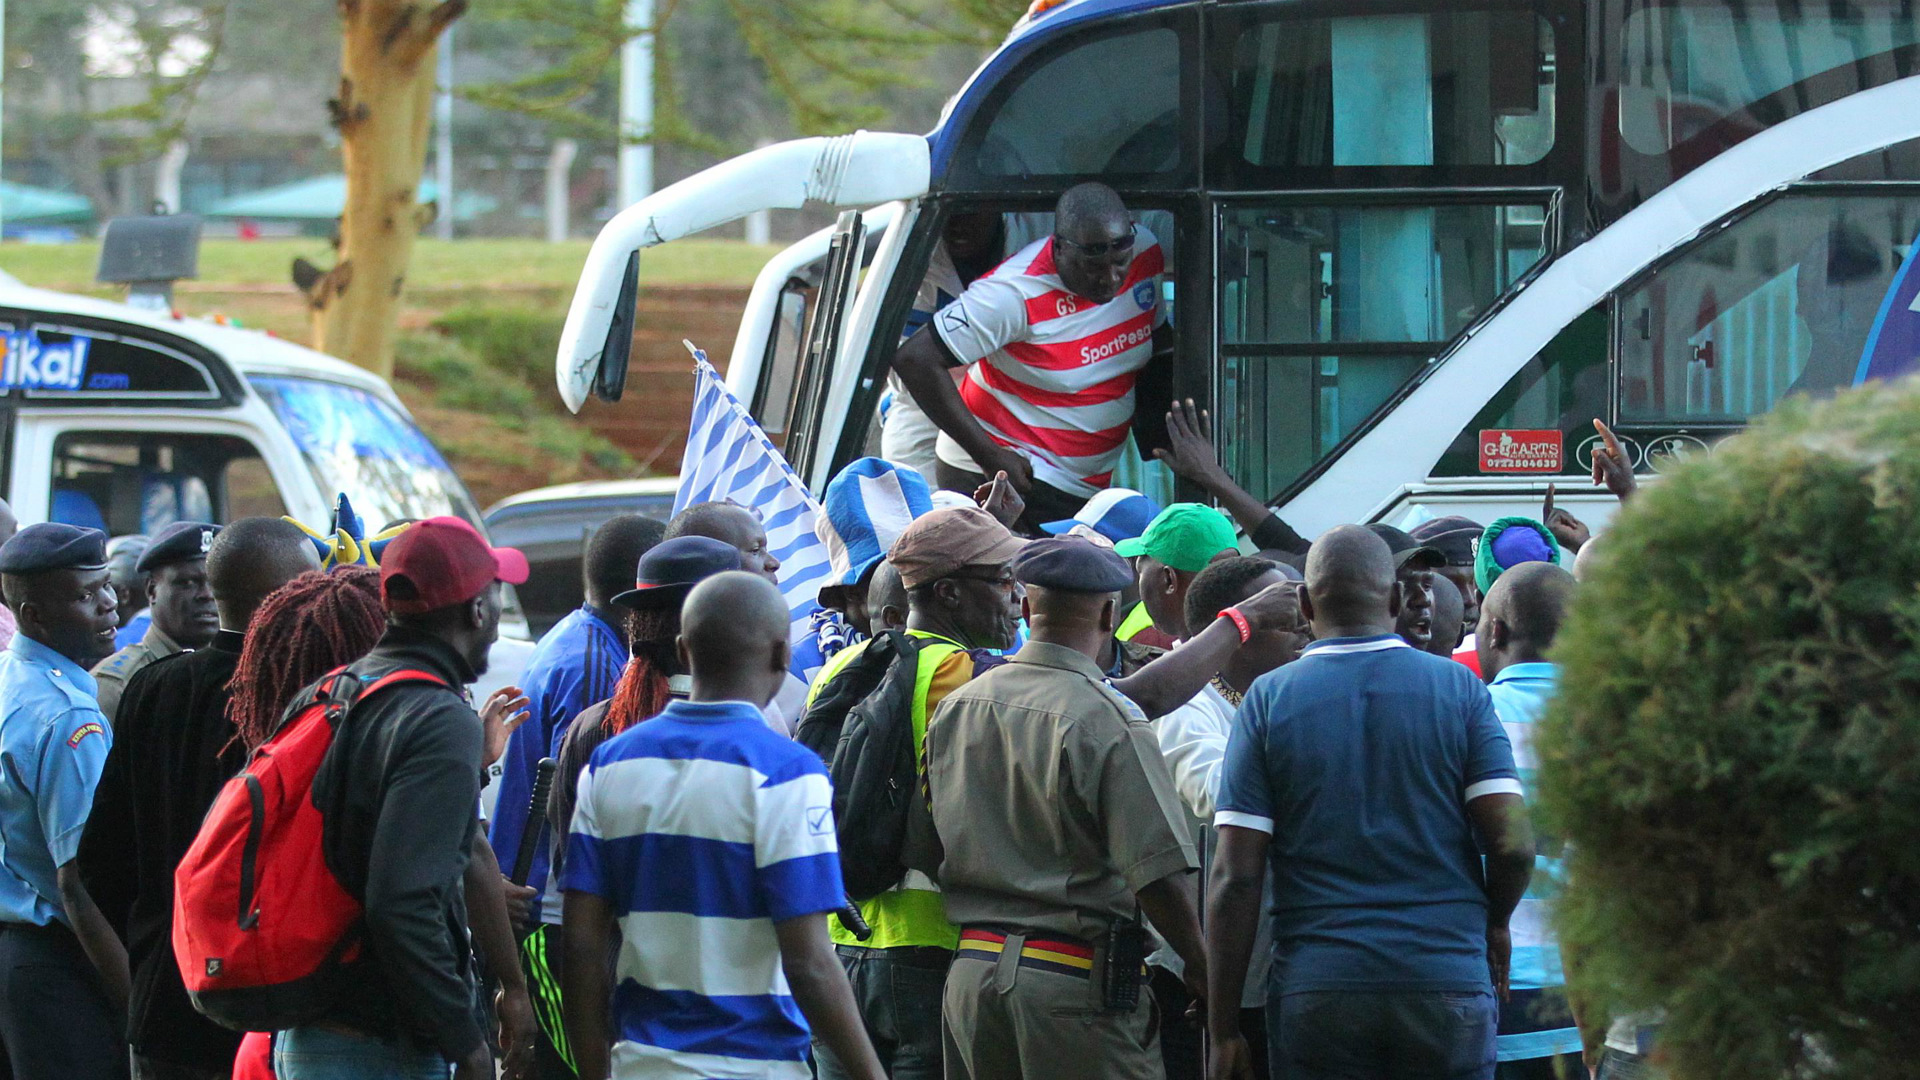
[[437, 264]]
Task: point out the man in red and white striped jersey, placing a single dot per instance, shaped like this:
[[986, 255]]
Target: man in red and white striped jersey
[[1053, 341]]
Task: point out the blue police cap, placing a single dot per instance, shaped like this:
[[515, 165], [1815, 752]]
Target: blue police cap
[[1072, 564], [51, 545], [182, 541]]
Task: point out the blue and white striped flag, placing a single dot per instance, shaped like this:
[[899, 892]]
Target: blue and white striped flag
[[729, 459]]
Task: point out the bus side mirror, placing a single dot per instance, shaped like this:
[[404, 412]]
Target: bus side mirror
[[610, 378]]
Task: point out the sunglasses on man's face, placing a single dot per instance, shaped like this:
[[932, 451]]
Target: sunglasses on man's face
[[1111, 247]]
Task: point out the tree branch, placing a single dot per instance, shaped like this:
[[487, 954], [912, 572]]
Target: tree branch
[[442, 16], [407, 39]]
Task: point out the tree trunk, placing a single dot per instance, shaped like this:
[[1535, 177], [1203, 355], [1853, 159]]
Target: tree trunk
[[383, 115]]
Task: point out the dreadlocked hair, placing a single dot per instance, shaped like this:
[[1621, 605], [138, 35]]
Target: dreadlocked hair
[[642, 691], [306, 628]]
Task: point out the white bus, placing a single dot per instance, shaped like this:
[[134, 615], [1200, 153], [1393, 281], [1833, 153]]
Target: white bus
[[1414, 249]]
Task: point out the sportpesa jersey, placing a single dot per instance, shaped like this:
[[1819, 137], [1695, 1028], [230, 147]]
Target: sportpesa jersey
[[1052, 373]]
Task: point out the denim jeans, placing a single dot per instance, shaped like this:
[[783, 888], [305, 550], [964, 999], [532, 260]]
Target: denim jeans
[[898, 992], [1383, 1035], [1620, 1065], [317, 1053]]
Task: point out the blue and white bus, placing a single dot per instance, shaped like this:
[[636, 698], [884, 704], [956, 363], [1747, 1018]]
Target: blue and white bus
[[1414, 248]]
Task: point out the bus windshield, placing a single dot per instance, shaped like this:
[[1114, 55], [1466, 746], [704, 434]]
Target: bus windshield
[[355, 443]]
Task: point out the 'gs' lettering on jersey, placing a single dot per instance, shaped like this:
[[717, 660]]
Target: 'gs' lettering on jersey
[[1050, 373]]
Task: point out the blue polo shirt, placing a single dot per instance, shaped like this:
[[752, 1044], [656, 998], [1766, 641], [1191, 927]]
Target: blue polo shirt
[[1527, 1028], [1359, 759], [53, 744], [576, 664]]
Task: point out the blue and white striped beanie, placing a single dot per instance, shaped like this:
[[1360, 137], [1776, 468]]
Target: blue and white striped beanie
[[868, 504]]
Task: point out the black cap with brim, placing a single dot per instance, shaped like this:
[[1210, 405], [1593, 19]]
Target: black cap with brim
[[1406, 550], [1454, 537], [52, 545], [182, 541], [671, 568], [654, 597], [1071, 564]]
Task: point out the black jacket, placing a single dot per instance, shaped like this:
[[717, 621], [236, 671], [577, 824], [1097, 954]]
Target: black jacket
[[399, 793], [173, 748]]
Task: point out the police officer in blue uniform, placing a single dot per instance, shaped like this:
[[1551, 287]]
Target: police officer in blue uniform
[[59, 1017]]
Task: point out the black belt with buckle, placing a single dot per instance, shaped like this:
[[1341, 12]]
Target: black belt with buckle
[[930, 957]]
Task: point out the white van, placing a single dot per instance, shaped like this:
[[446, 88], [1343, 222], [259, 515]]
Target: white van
[[126, 420]]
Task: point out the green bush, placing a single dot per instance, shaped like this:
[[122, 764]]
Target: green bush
[[434, 358], [1735, 753], [458, 377], [520, 341]]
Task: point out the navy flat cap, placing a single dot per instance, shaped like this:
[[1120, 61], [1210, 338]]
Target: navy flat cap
[[1072, 564], [670, 569], [1452, 536], [53, 546], [1406, 549], [182, 541]]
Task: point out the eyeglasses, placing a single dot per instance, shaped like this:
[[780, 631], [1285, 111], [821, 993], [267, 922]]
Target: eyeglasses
[[1004, 579], [1111, 247]]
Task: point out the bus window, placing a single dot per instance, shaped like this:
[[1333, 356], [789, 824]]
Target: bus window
[[139, 482], [1562, 389], [1779, 302], [1446, 88], [785, 339], [1283, 414], [1899, 161], [1107, 106], [1684, 67], [1678, 82], [1369, 273], [1325, 312]]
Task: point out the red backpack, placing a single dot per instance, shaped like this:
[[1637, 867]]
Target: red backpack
[[261, 926]]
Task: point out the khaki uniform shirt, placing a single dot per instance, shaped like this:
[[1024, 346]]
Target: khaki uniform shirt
[[1051, 798], [113, 673]]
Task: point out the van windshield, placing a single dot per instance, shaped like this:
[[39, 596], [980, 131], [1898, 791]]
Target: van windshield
[[354, 442]]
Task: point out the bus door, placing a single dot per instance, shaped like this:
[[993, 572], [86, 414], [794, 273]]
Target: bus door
[[1378, 180], [807, 323]]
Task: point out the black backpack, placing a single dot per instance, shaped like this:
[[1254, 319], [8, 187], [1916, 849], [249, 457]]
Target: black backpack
[[861, 725]]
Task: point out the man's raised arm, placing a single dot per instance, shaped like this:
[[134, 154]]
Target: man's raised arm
[[923, 363]]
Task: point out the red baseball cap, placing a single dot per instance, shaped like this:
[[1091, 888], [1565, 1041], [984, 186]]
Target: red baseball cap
[[441, 562]]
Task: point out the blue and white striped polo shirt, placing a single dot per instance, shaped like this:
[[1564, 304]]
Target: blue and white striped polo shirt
[[701, 828], [1529, 1026]]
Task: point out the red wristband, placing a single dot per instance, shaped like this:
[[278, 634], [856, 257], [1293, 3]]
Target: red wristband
[[1240, 622]]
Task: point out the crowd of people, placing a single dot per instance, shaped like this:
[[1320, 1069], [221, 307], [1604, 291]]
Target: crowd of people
[[1057, 781]]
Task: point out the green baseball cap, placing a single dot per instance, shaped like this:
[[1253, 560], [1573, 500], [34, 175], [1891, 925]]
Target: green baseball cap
[[1185, 536]]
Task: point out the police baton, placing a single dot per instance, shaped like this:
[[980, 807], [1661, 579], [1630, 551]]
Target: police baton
[[855, 922], [536, 817]]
